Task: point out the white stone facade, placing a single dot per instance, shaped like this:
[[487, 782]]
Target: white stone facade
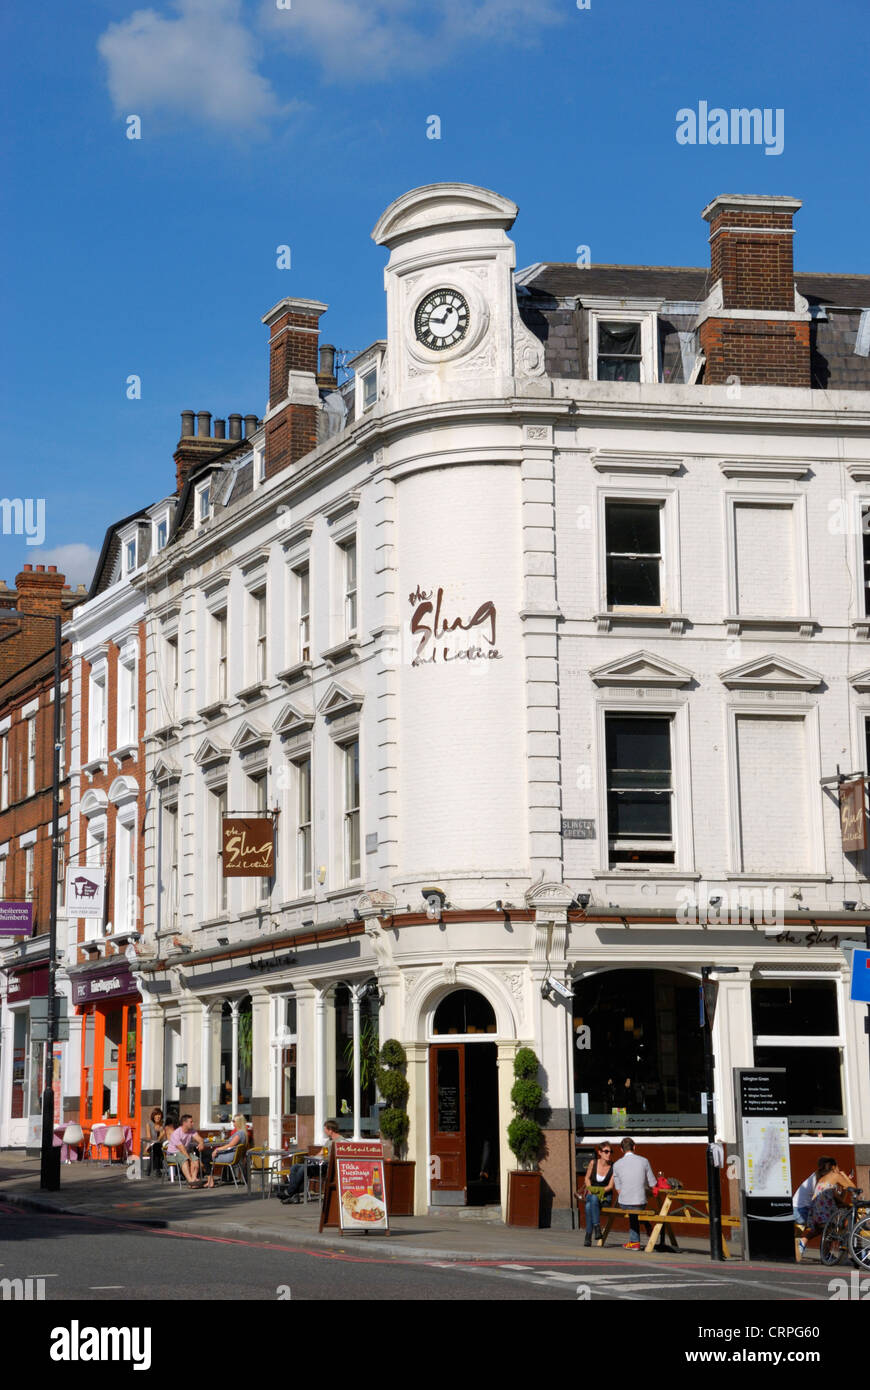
[[478, 478]]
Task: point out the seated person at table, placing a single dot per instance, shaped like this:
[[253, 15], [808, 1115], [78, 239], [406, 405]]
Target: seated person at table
[[238, 1137], [829, 1193], [184, 1139], [154, 1139], [290, 1190]]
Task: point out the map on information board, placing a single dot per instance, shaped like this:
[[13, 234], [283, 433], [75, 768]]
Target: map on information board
[[765, 1153]]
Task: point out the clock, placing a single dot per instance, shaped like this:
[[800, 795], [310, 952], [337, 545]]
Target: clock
[[441, 320]]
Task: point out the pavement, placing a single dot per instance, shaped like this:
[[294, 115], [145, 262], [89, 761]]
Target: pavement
[[90, 1189]]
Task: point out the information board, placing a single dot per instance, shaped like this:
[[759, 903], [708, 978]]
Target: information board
[[765, 1165], [362, 1199]]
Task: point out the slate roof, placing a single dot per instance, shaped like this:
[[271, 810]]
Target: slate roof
[[551, 300]]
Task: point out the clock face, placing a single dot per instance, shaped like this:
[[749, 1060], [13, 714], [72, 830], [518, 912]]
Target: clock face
[[441, 319]]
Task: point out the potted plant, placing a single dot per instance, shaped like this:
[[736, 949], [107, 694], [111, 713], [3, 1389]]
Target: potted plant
[[395, 1123], [524, 1139]]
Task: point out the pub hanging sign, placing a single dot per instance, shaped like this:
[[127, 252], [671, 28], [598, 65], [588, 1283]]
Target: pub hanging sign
[[853, 816], [248, 847]]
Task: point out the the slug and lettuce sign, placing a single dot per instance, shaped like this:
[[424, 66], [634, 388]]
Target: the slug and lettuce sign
[[248, 849], [443, 632]]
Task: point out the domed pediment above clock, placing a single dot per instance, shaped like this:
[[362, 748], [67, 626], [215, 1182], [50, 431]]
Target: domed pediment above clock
[[436, 206]]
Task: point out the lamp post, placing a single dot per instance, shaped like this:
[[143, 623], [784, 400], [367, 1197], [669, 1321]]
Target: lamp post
[[714, 1193], [49, 1171]]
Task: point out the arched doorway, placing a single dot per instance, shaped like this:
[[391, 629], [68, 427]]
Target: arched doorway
[[639, 1053], [463, 1102]]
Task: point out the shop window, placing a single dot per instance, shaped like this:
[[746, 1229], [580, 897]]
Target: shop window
[[340, 1096], [231, 1060], [639, 790], [464, 1011], [88, 1030], [20, 1045], [639, 1053], [634, 554], [112, 1044], [795, 1024]]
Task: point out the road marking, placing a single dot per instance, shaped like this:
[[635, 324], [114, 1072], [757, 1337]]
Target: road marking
[[105, 1286]]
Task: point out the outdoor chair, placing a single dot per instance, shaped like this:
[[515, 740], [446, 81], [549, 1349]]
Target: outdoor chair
[[232, 1163]]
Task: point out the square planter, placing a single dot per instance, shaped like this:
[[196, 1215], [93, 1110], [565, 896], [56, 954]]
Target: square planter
[[399, 1180], [524, 1198]]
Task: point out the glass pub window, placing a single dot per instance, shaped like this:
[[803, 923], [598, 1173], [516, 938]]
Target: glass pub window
[[619, 352], [633, 533], [303, 577], [350, 595], [639, 790]]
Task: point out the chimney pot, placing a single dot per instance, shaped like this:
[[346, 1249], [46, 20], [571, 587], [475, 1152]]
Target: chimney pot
[[186, 424], [250, 425], [326, 375], [220, 429], [203, 424], [52, 569], [235, 427]]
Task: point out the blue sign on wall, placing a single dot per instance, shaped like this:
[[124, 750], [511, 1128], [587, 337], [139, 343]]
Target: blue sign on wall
[[860, 991]]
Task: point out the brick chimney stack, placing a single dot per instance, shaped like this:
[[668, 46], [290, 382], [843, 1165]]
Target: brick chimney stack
[[753, 326], [40, 590], [196, 443], [291, 420]]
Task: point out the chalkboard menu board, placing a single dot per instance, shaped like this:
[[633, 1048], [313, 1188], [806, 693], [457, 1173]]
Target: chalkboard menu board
[[448, 1117], [448, 1110]]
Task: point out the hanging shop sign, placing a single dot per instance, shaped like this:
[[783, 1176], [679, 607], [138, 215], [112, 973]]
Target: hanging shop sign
[[86, 891], [362, 1198], [249, 847], [16, 919], [853, 816]]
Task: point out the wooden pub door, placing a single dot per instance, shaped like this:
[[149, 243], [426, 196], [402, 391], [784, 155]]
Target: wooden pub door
[[447, 1123]]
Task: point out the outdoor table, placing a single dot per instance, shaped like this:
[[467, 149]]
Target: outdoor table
[[98, 1137], [265, 1169], [671, 1213], [69, 1153]]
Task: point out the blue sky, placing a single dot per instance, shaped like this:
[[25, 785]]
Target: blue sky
[[265, 125]]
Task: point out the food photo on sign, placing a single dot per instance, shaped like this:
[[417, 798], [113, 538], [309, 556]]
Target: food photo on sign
[[362, 1203]]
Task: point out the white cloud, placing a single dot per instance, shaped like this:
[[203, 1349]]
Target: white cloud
[[75, 561], [365, 39], [202, 64]]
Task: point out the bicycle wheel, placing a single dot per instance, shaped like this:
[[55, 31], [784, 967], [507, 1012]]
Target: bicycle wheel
[[859, 1245], [834, 1240]]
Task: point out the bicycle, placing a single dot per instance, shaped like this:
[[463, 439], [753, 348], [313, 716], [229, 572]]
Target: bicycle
[[840, 1232]]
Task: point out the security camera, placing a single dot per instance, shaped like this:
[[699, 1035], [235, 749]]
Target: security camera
[[584, 899], [850, 906], [716, 901], [556, 987]]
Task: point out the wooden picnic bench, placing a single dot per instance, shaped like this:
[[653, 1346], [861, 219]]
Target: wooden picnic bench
[[678, 1208]]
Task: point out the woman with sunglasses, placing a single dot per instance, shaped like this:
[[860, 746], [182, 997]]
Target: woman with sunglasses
[[599, 1180]]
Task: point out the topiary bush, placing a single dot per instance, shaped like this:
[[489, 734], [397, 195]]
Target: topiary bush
[[393, 1086], [524, 1133]]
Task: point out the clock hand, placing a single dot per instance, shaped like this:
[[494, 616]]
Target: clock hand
[[443, 318]]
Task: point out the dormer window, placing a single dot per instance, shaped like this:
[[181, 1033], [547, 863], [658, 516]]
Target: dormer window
[[161, 532], [131, 549], [202, 505], [370, 388], [130, 555], [622, 346], [367, 371]]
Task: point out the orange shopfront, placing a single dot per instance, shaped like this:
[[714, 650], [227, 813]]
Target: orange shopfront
[[108, 1001]]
